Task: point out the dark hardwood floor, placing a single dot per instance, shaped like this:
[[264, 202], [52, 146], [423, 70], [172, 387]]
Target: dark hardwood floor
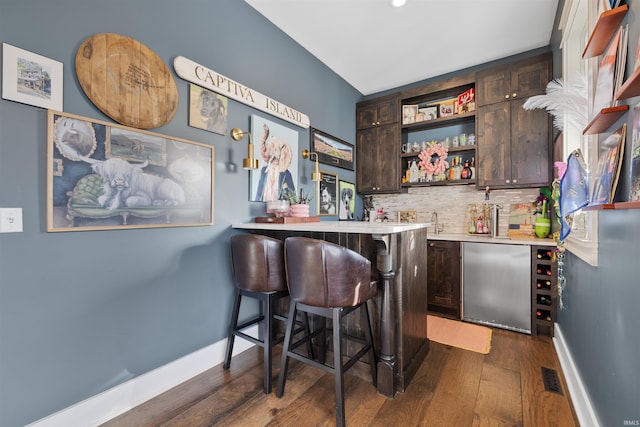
[[453, 387]]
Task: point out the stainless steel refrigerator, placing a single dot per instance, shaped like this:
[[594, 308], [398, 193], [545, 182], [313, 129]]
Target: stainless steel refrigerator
[[496, 280]]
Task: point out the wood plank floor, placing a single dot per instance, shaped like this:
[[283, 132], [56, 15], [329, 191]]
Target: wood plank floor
[[453, 387]]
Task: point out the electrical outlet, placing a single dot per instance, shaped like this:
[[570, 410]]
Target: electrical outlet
[[10, 220]]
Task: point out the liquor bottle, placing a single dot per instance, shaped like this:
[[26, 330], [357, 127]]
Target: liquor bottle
[[458, 167], [473, 167], [452, 169], [413, 172], [466, 171]]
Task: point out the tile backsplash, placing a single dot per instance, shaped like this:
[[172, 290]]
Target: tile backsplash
[[451, 203]]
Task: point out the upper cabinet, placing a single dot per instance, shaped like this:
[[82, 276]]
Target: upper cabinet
[[377, 145], [514, 144], [514, 81], [377, 113]]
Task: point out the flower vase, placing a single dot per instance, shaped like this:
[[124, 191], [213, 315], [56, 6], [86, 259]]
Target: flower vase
[[429, 177], [300, 210]]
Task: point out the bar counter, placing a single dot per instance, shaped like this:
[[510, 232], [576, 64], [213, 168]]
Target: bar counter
[[398, 252]]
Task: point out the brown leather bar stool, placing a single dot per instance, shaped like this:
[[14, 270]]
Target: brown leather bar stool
[[259, 272], [329, 281]]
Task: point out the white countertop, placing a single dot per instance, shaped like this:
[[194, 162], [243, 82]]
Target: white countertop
[[361, 227], [479, 238]]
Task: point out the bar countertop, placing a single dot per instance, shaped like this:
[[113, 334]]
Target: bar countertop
[[360, 227]]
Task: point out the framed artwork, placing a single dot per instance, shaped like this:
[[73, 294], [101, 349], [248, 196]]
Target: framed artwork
[[207, 110], [103, 176], [607, 171], [331, 150], [634, 189], [277, 152], [327, 192], [408, 216], [409, 113], [31, 79], [347, 201], [430, 112]]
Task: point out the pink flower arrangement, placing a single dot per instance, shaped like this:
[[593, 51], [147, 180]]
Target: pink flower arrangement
[[437, 166]]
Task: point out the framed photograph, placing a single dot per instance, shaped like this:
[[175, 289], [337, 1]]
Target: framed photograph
[[104, 176], [31, 79], [608, 170], [430, 112], [446, 110], [409, 113], [331, 150], [347, 201], [634, 190], [326, 199], [276, 148], [207, 110], [408, 216]]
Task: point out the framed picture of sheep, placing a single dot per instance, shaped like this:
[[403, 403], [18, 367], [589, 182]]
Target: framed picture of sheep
[[103, 176]]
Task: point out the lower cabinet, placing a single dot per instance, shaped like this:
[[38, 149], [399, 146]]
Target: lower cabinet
[[443, 272]]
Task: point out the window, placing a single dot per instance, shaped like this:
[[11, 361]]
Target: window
[[578, 17]]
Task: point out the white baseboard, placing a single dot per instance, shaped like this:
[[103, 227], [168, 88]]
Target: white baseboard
[[577, 393], [109, 404]]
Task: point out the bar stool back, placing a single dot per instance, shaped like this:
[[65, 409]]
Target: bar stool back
[[330, 281]]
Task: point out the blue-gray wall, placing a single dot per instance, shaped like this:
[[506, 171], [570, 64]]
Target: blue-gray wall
[[601, 322], [81, 312]]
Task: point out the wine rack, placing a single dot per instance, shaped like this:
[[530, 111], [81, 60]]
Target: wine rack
[[544, 293]]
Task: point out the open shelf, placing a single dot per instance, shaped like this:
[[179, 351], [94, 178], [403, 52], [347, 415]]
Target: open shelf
[[607, 24], [604, 119], [631, 87], [440, 121], [610, 206]]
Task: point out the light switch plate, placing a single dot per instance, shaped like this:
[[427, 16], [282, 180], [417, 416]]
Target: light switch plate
[[10, 220]]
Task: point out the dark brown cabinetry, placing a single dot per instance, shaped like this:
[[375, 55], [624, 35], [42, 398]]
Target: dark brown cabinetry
[[377, 146], [544, 291], [443, 285], [514, 144]]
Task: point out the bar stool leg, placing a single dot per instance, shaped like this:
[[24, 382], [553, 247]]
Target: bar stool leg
[[267, 339], [338, 367], [368, 333], [284, 363], [232, 327]]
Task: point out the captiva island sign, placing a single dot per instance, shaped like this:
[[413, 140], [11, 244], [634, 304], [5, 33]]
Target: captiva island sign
[[202, 76]]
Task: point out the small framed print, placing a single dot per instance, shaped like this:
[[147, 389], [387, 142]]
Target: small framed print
[[430, 112], [327, 194], [409, 113], [31, 79], [446, 110], [347, 201], [408, 216]]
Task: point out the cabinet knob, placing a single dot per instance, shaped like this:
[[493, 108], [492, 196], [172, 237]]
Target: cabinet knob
[[507, 181], [506, 96], [373, 124], [431, 245], [513, 95], [377, 123], [515, 181]]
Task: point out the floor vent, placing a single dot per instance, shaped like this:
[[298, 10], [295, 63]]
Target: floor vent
[[551, 381]]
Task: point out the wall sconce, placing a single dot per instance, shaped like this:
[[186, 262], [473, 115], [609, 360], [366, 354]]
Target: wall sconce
[[306, 154], [250, 162]]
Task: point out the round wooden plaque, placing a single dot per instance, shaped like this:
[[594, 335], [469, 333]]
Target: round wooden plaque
[[126, 80]]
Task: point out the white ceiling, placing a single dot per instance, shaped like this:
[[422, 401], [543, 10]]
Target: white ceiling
[[375, 46]]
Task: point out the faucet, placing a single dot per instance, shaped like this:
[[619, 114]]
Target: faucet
[[434, 220]]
